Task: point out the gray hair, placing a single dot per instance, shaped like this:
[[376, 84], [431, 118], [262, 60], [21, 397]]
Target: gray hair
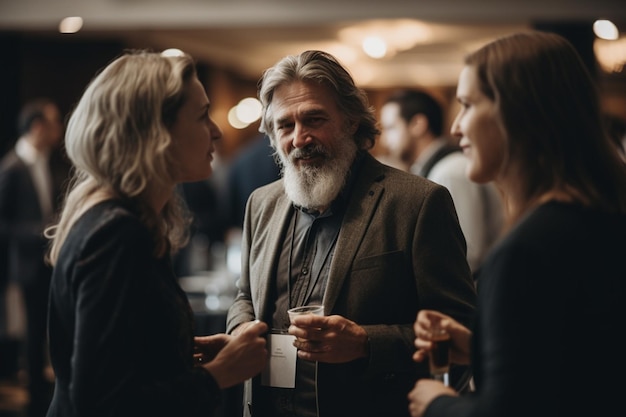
[[322, 68]]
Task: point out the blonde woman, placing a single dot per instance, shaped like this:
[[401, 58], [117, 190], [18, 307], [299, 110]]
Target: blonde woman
[[121, 329]]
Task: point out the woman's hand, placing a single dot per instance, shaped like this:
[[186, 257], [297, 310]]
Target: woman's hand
[[242, 357], [207, 347], [460, 336], [424, 392]]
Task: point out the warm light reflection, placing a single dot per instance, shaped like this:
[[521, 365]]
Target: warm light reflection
[[172, 52], [398, 35], [375, 47], [365, 74], [248, 110], [344, 53], [71, 24], [611, 55], [234, 121]]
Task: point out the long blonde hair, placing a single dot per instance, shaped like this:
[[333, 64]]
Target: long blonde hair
[[118, 140]]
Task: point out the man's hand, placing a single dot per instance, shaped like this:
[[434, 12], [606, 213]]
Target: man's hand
[[330, 339]]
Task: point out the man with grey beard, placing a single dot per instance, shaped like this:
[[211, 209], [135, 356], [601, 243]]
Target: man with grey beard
[[370, 243]]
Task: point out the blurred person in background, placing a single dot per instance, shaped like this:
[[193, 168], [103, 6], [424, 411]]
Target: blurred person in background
[[412, 129], [207, 230], [372, 244], [32, 177], [551, 293], [121, 328], [253, 167]]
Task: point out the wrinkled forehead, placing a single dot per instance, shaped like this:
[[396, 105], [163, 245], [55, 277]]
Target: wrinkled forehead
[[303, 97]]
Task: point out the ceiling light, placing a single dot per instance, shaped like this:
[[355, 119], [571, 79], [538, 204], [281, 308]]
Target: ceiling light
[[71, 24], [374, 47], [605, 29], [397, 35]]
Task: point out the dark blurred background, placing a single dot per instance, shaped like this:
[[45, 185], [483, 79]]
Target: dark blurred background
[[234, 41]]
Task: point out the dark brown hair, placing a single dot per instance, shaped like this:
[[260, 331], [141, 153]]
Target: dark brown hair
[[550, 111]]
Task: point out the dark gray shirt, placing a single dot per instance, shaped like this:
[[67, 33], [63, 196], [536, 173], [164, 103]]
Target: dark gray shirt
[[301, 277], [305, 261]]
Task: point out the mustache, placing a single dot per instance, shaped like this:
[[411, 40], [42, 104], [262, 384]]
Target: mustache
[[308, 151]]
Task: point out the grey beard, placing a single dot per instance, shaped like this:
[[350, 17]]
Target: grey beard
[[317, 187]]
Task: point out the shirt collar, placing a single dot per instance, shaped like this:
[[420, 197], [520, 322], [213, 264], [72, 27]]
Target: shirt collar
[[427, 153], [27, 152]]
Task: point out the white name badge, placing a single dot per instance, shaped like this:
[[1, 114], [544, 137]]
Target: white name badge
[[280, 371]]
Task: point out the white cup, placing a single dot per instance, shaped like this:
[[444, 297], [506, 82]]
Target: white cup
[[317, 310]]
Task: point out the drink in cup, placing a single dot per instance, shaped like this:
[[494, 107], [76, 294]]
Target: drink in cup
[[439, 356], [318, 310]]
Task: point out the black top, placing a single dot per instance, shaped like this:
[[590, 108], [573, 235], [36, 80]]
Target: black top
[[550, 312], [121, 329]]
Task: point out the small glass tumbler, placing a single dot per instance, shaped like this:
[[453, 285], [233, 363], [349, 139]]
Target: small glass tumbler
[[439, 356], [318, 310]]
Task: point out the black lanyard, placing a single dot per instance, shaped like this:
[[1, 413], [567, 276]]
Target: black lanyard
[[312, 283]]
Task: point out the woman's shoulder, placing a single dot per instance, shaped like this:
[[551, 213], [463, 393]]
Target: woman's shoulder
[[108, 221], [563, 232], [108, 212], [561, 219]]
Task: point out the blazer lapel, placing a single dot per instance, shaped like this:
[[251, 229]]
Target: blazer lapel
[[365, 197], [271, 253]]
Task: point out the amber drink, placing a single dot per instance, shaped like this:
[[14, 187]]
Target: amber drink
[[439, 356]]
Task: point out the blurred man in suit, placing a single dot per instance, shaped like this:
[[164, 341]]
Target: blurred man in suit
[[32, 176], [412, 129]]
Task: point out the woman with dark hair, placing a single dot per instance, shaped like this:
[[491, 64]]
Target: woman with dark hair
[[551, 293]]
